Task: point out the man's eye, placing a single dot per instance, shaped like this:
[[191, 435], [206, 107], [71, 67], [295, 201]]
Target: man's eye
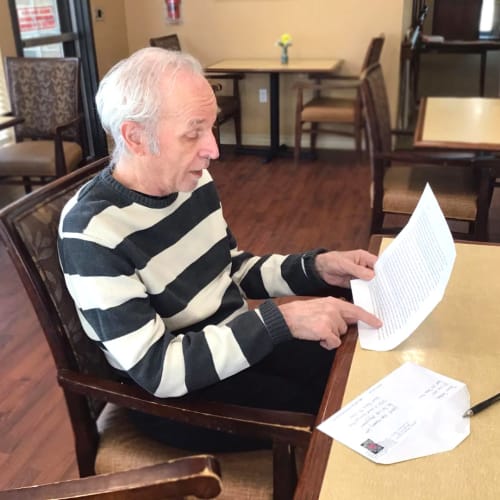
[[193, 135]]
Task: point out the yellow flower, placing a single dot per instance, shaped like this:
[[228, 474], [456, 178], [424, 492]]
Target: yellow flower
[[285, 40]]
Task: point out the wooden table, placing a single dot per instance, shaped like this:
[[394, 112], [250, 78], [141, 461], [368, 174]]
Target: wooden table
[[459, 339], [416, 45], [467, 123], [274, 68]]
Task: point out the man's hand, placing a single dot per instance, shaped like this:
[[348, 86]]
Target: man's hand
[[338, 268], [324, 319]]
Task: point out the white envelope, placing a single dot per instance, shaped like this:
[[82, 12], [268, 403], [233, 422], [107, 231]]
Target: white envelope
[[410, 413]]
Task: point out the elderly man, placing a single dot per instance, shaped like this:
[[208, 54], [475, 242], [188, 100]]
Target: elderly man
[[158, 279]]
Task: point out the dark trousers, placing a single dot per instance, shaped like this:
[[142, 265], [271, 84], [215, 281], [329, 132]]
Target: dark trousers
[[291, 378]]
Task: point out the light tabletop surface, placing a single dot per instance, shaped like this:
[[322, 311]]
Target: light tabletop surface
[[471, 123], [274, 65], [460, 339]]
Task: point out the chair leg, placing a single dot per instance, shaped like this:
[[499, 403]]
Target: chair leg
[[237, 129], [27, 185], [314, 139], [377, 223], [284, 471], [217, 137], [298, 140], [358, 141]]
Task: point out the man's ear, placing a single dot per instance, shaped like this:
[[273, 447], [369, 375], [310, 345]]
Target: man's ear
[[134, 138]]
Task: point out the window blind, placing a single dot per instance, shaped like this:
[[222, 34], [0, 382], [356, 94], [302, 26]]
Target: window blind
[[6, 135]]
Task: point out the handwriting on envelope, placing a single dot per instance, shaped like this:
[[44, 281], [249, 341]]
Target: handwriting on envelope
[[389, 423]]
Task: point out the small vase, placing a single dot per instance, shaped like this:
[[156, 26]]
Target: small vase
[[284, 55]]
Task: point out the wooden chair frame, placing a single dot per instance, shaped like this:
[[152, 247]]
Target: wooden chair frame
[[86, 389], [328, 82], [382, 157], [197, 476]]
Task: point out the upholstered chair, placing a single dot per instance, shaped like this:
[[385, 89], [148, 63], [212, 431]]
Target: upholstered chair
[[44, 95], [462, 186], [327, 113]]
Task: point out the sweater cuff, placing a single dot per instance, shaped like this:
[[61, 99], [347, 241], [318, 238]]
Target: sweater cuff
[[311, 272], [275, 323], [309, 266]]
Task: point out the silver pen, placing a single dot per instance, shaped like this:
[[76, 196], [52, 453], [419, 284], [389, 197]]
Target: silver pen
[[482, 406]]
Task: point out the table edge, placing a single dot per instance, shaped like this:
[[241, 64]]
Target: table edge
[[283, 69], [419, 142]]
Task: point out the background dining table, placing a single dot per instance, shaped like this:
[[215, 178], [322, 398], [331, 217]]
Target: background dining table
[[274, 68]]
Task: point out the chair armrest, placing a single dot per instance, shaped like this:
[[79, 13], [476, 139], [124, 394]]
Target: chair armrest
[[427, 157], [13, 120], [61, 128], [284, 426], [198, 475], [225, 76], [331, 76], [399, 131], [305, 84]]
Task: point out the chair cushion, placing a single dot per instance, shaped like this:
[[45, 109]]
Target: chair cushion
[[246, 475], [454, 187], [329, 109], [36, 158]]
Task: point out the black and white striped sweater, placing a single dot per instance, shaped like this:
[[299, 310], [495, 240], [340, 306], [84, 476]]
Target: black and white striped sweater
[[160, 284]]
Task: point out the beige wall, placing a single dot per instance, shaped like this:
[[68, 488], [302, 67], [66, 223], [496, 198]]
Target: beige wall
[[110, 33], [217, 29], [6, 37]]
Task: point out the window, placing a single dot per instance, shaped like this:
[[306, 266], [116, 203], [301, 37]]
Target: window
[[44, 25], [489, 24], [6, 135]]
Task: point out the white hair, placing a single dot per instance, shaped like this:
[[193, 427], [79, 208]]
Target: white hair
[[132, 91]]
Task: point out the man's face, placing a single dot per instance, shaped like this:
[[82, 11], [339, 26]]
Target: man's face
[[185, 135]]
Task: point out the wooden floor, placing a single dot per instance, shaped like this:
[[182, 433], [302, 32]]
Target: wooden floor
[[270, 207]]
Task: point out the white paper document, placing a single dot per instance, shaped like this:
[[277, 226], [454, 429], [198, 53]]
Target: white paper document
[[410, 279], [411, 413]]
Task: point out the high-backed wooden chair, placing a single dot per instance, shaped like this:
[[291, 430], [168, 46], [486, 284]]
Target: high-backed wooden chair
[[44, 94], [462, 187], [196, 476], [105, 440], [328, 114], [229, 104]]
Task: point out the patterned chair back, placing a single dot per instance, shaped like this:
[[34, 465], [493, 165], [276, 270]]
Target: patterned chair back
[[45, 92], [28, 228]]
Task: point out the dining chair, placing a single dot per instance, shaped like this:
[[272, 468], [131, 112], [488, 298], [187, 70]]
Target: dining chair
[[462, 187], [44, 94], [97, 401], [229, 105], [195, 476], [330, 114]]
